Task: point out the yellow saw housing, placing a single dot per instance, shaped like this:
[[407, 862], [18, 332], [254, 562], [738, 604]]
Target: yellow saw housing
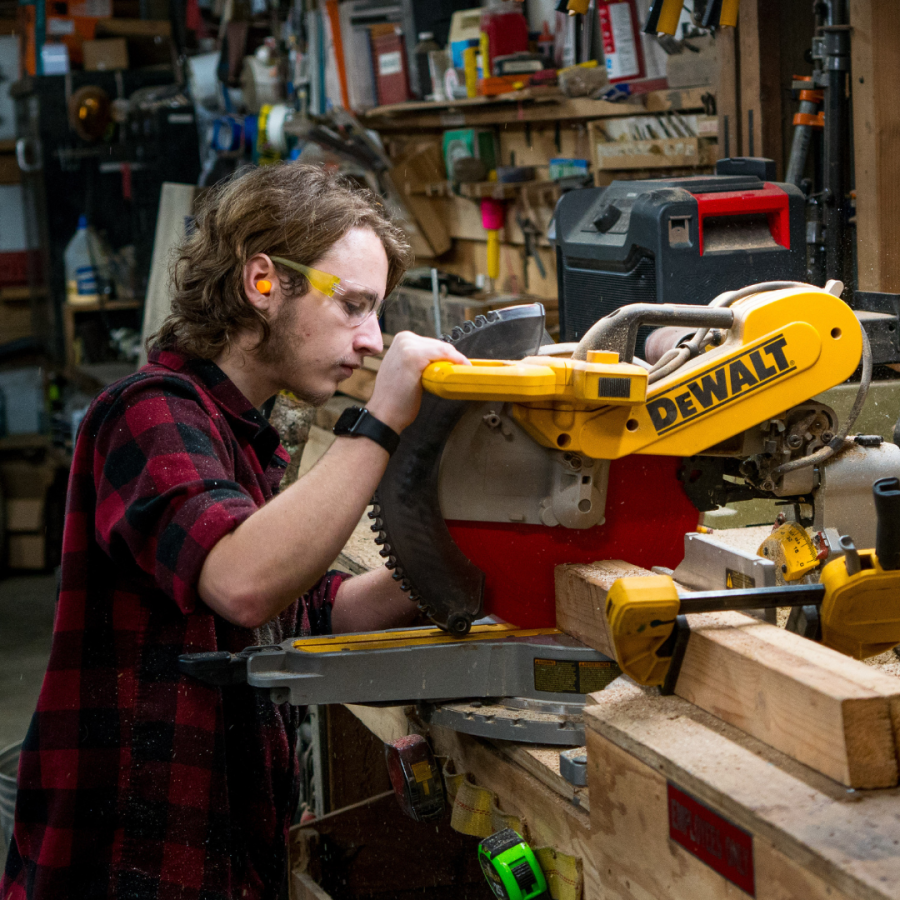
[[784, 347]]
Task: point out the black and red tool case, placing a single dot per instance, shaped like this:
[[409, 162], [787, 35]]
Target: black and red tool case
[[675, 240]]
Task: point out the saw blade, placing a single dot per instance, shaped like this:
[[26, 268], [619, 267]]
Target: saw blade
[[407, 514]]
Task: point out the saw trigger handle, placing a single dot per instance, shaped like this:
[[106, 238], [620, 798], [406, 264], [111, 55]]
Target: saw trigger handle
[[641, 614]]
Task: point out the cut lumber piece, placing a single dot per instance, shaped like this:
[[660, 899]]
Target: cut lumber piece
[[812, 703], [810, 838], [581, 599], [832, 713]]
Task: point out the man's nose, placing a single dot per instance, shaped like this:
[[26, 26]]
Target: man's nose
[[368, 338]]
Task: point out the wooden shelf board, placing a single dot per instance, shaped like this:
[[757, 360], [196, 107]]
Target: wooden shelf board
[[525, 106], [109, 305]]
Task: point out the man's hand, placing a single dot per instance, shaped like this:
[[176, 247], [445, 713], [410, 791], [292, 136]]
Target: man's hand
[[398, 387]]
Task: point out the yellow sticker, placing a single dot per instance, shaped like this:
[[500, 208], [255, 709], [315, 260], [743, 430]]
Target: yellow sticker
[[422, 771]]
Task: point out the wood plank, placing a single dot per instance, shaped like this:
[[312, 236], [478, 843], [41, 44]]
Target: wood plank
[[543, 763], [777, 690], [360, 553], [760, 89], [581, 600], [836, 834], [832, 713], [304, 888], [875, 52], [727, 93], [389, 723]]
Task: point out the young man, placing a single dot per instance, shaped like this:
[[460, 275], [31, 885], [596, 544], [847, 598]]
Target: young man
[[137, 781]]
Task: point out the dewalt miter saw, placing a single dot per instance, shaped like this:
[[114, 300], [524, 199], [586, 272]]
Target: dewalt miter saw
[[539, 454]]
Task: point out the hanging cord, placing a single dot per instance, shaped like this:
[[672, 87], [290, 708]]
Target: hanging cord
[[675, 358], [839, 441]]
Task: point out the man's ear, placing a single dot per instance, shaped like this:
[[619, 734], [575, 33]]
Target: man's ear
[[261, 286]]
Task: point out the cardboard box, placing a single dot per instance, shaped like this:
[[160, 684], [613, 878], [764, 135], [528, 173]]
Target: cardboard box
[[26, 551], [25, 514], [105, 54]]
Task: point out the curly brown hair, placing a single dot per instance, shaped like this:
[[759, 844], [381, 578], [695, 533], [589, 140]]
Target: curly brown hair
[[294, 210]]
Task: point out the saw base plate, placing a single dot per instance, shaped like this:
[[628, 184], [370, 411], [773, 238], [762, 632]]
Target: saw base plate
[[501, 721]]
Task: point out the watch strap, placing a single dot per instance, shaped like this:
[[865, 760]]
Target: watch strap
[[356, 421]]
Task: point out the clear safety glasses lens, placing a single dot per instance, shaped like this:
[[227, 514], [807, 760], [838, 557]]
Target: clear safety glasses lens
[[356, 301]]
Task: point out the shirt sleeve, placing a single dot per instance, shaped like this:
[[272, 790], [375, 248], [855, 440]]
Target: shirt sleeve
[[164, 475], [316, 605]]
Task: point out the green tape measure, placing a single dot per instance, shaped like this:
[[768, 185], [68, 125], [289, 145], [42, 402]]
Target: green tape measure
[[511, 868]]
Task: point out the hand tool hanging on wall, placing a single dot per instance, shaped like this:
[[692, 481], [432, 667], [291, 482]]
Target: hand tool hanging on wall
[[664, 15]]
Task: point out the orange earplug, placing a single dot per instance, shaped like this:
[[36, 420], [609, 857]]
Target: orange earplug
[[264, 286]]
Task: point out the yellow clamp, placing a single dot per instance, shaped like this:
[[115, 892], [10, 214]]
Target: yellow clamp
[[860, 614], [600, 381], [641, 613]]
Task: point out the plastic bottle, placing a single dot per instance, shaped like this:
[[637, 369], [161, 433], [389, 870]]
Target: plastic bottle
[[86, 266], [426, 45], [547, 43]]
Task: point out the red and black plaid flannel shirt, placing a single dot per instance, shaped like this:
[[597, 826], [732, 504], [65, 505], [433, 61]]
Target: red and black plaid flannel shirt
[[136, 781]]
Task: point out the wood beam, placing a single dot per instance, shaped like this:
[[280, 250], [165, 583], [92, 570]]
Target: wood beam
[[875, 61], [760, 88]]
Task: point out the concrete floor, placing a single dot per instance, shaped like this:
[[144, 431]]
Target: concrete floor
[[27, 603]]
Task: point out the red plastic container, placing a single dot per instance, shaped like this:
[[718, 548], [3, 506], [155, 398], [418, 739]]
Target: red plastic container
[[507, 32]]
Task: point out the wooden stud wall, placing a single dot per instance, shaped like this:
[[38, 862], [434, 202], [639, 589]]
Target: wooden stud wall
[[875, 49]]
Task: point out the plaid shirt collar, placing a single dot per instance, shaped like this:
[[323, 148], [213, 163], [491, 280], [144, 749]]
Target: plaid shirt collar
[[246, 420]]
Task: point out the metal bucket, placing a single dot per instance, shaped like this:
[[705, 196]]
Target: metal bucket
[[9, 766]]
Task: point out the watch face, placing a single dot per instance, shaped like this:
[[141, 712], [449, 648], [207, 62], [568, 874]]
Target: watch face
[[347, 419]]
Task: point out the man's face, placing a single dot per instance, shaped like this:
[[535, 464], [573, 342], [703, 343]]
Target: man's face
[[312, 347]]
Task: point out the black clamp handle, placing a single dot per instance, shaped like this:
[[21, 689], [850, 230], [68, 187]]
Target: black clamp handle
[[887, 536]]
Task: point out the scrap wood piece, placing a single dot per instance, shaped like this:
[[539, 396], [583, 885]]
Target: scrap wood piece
[[832, 713]]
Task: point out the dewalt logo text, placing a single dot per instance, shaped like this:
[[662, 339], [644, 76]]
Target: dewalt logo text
[[734, 378]]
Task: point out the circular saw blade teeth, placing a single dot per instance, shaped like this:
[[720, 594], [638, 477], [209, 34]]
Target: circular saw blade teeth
[[444, 582]]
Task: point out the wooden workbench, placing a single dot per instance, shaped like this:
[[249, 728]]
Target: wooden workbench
[[680, 803]]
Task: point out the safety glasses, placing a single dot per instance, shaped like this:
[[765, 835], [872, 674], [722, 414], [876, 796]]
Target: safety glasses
[[356, 301]]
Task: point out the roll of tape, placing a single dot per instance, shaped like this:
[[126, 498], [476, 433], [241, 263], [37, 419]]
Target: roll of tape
[[275, 121]]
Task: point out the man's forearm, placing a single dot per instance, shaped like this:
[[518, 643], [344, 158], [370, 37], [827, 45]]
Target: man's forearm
[[371, 602], [280, 551]]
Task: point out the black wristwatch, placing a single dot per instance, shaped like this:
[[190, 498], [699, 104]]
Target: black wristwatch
[[358, 422]]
